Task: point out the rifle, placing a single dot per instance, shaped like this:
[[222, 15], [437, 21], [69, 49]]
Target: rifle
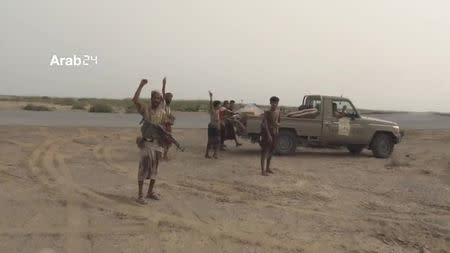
[[158, 132]]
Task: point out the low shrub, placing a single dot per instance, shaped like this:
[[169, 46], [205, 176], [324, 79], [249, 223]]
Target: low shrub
[[31, 107], [189, 105], [79, 106], [64, 101], [101, 108], [131, 109]]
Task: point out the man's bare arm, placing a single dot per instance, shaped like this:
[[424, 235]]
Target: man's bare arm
[[164, 87], [229, 111], [266, 126], [210, 101], [138, 93]]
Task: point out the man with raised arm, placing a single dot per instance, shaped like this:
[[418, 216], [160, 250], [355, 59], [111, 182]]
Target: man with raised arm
[[150, 148], [167, 99], [213, 127]]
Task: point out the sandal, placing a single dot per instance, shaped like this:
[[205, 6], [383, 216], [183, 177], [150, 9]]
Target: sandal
[[153, 196], [141, 201]]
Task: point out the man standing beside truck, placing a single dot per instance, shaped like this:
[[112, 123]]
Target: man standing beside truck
[[269, 131], [213, 127]]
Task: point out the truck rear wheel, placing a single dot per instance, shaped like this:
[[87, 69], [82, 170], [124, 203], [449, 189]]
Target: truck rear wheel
[[382, 145], [355, 149], [286, 143]]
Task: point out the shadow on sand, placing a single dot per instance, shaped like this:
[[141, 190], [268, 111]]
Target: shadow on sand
[[309, 153]]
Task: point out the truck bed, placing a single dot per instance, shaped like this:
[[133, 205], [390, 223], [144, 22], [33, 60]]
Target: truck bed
[[302, 126]]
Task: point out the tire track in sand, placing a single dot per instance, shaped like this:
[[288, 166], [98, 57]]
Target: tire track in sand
[[46, 155], [76, 220], [105, 154], [102, 153], [154, 219]]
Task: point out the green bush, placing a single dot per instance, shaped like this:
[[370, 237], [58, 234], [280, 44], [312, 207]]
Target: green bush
[[101, 108], [79, 106], [64, 101], [31, 107], [131, 109], [128, 106], [189, 105]]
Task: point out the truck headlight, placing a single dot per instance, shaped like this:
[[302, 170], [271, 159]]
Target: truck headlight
[[396, 129]]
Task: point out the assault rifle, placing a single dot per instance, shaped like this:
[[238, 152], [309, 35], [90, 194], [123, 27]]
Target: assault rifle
[[155, 131]]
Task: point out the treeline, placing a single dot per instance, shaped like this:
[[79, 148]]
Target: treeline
[[45, 103]]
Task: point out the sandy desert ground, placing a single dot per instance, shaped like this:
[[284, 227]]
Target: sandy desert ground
[[73, 190]]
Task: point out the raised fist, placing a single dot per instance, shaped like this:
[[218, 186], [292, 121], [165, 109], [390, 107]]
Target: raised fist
[[144, 82]]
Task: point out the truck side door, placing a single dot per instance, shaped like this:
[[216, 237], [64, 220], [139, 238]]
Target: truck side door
[[340, 125]]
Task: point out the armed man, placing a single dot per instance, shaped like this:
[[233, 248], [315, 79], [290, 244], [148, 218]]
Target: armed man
[[150, 147]]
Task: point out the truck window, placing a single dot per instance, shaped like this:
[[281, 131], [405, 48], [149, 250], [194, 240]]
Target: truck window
[[317, 104], [342, 108]]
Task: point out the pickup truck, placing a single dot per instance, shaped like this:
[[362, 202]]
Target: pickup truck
[[336, 123]]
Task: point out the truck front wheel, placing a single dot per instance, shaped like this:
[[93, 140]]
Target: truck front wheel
[[382, 145], [286, 143]]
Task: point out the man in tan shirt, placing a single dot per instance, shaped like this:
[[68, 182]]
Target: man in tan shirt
[[150, 148]]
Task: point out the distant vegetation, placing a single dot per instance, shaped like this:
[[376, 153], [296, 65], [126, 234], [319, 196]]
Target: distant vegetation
[[107, 105], [442, 114], [64, 101], [31, 107], [38, 99], [101, 108], [79, 106], [190, 105], [131, 109], [127, 106]]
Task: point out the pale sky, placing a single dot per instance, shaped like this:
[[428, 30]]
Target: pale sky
[[391, 54]]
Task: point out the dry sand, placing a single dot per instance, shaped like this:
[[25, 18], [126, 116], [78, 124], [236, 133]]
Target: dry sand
[[73, 190]]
